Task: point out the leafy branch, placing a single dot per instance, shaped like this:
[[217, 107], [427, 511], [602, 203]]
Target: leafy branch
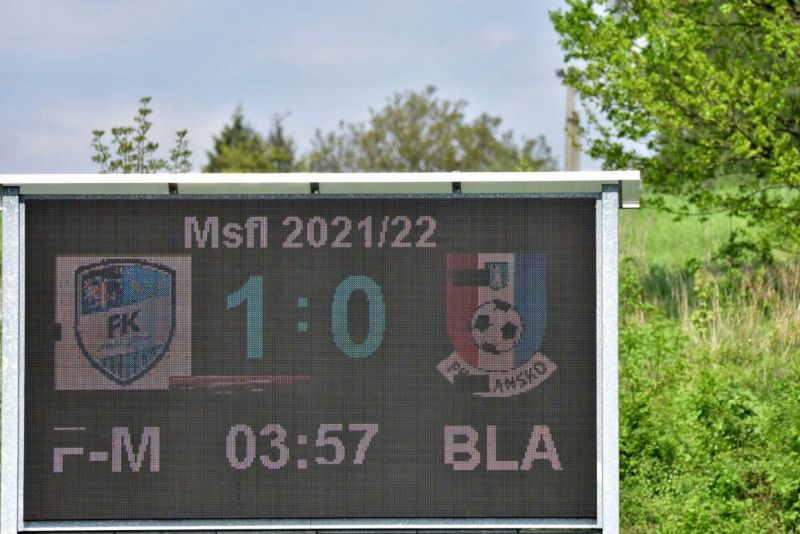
[[135, 152]]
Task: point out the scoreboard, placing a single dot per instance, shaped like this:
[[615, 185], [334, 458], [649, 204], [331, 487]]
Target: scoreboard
[[327, 360]]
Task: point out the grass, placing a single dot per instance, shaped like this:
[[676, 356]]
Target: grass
[[709, 382], [656, 236], [673, 260]]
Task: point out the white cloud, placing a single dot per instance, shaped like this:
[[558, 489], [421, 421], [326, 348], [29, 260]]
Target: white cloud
[[70, 66], [60, 29], [499, 36], [57, 137], [326, 55]]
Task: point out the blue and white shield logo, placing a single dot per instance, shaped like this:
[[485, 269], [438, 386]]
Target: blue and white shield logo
[[124, 316]]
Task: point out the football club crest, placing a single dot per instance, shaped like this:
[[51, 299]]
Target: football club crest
[[496, 319], [125, 323], [124, 316]]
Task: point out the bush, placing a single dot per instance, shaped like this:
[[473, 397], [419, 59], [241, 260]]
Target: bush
[[709, 399]]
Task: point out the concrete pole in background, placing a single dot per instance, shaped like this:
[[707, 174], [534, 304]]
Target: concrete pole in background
[[572, 160]]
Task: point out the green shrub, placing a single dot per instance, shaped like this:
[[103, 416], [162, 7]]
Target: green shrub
[[709, 397]]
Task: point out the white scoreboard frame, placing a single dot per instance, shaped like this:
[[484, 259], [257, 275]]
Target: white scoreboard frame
[[612, 190]]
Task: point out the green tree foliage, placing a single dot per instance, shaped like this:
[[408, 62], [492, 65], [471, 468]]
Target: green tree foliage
[[135, 152], [240, 148], [703, 96], [418, 131]]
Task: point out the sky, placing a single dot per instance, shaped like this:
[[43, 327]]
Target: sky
[[68, 67]]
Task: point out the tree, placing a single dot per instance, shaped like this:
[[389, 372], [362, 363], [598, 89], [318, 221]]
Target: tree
[[135, 152], [240, 148], [703, 97], [418, 131]]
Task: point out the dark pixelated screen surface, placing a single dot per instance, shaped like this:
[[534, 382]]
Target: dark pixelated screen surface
[[310, 358]]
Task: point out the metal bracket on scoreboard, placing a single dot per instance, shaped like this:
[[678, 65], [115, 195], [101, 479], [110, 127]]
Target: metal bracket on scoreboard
[[369, 183]]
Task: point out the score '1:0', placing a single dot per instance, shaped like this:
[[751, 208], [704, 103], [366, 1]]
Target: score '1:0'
[[252, 294]]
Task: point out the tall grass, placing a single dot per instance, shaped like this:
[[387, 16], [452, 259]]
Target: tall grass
[[709, 383], [760, 307], [716, 304]]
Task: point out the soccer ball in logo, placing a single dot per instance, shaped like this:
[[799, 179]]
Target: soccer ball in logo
[[496, 327]]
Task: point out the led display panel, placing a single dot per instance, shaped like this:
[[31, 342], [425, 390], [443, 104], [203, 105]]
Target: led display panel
[[310, 358]]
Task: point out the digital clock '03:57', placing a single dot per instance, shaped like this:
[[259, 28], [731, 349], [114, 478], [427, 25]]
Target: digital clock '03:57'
[[240, 445]]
